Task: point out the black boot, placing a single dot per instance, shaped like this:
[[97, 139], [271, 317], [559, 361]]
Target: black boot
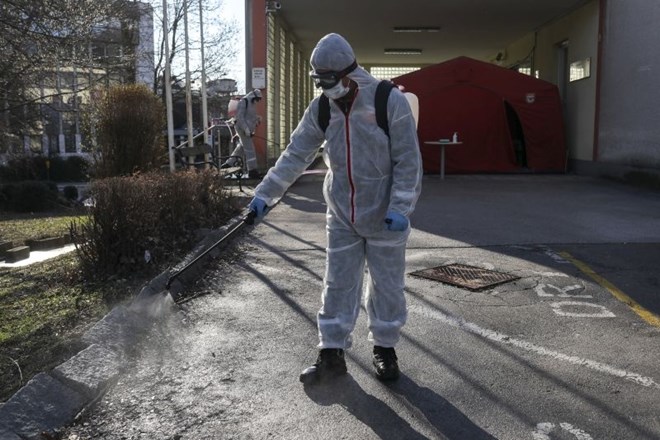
[[385, 361], [329, 364], [254, 174]]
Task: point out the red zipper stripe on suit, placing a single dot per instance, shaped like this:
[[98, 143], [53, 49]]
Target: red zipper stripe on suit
[[349, 167]]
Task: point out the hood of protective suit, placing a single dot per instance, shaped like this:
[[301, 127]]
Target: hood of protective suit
[[256, 93], [333, 53]]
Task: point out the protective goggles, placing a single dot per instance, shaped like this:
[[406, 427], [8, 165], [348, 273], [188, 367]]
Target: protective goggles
[[328, 80]]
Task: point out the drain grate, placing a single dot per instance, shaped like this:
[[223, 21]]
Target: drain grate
[[469, 277]]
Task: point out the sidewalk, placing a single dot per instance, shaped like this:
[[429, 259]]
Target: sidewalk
[[229, 361], [39, 256], [51, 400]]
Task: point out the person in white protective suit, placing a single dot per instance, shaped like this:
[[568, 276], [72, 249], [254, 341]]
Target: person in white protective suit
[[246, 120], [371, 188]]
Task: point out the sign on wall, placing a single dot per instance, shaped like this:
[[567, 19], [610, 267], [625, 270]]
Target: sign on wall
[[258, 77]]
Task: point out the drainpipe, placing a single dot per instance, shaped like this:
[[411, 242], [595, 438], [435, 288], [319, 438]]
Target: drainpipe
[[249, 41], [533, 60], [602, 8]]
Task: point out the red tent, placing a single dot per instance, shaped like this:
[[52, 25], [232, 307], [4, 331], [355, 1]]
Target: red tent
[[507, 121]]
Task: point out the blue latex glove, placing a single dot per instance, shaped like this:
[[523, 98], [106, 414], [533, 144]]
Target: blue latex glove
[[396, 221], [258, 206]]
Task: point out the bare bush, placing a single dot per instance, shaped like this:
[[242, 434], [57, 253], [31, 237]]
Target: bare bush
[[156, 213], [129, 124]]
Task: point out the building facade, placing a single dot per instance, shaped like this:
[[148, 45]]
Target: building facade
[[610, 105], [601, 55], [121, 51]]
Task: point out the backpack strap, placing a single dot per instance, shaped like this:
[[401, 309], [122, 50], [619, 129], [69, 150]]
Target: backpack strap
[[324, 112], [382, 94]]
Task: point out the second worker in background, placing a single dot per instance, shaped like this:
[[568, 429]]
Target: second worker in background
[[246, 121]]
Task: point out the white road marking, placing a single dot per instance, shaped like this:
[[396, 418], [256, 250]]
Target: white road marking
[[602, 310], [528, 346], [578, 433], [549, 274], [543, 431], [543, 290], [555, 256]]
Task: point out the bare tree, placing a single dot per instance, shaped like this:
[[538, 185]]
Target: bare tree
[[45, 45], [220, 40], [38, 38]]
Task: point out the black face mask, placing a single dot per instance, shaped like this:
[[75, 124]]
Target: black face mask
[[328, 80]]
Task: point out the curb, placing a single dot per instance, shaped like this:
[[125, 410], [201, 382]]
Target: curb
[[51, 401]]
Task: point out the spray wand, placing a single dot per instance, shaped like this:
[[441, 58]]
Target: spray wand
[[247, 220]]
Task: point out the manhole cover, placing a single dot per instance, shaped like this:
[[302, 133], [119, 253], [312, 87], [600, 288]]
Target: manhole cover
[[469, 277]]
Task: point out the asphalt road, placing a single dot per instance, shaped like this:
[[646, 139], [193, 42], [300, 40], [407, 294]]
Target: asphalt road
[[554, 354]]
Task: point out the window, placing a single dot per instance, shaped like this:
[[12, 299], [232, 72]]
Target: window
[[67, 80], [391, 72], [113, 52], [528, 71], [579, 70]]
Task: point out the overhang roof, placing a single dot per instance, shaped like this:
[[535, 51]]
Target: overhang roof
[[475, 28]]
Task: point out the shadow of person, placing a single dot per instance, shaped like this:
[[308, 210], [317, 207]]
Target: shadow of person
[[374, 413], [445, 418]]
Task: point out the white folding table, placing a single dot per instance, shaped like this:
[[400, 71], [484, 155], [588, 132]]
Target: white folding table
[[442, 145]]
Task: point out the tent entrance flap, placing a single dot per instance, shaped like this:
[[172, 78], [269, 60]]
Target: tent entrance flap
[[517, 136]]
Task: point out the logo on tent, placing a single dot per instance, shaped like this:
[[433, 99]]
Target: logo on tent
[[530, 98]]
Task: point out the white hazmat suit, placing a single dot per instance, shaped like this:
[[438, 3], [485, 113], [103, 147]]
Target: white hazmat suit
[[369, 176], [246, 122]]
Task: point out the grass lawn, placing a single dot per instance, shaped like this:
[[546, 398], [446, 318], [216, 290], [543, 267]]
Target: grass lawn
[[19, 227], [46, 307]]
